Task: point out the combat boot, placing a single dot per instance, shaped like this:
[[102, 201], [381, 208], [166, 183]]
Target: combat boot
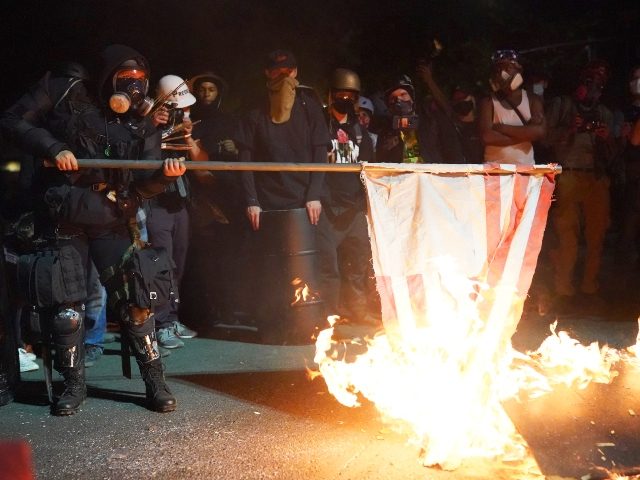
[[74, 394], [159, 397]]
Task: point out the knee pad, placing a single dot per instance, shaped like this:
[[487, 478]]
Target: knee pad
[[67, 327], [142, 339]]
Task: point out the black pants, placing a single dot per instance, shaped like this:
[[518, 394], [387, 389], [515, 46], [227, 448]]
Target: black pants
[[345, 269], [169, 229]]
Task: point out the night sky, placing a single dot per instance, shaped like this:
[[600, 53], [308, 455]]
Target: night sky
[[378, 39]]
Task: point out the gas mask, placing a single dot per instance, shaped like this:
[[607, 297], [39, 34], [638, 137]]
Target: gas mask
[[503, 78], [634, 86], [130, 88]]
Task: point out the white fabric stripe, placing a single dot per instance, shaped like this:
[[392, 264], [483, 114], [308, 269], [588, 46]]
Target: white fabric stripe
[[406, 321], [479, 238], [416, 219], [507, 183]]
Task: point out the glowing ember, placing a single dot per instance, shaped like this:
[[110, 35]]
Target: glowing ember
[[302, 292]]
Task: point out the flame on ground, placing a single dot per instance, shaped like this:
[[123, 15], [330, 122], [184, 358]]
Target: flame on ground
[[444, 382]]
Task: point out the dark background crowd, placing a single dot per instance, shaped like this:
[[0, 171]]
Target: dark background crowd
[[377, 39]]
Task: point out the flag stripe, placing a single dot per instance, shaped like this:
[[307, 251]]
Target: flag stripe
[[492, 225]]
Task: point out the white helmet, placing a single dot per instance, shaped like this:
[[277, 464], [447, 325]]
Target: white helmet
[[364, 102], [174, 89]]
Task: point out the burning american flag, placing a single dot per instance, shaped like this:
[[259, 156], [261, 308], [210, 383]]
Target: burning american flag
[[454, 251]]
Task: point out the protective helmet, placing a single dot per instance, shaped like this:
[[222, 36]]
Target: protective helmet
[[344, 79], [403, 82], [174, 89], [366, 104]]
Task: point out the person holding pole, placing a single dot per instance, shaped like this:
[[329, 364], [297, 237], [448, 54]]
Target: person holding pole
[[93, 210]]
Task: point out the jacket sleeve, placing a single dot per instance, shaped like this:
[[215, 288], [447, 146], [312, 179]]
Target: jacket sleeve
[[149, 183], [23, 122], [320, 138], [244, 138]]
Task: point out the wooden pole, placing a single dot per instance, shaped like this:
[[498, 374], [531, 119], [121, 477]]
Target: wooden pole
[[443, 169]]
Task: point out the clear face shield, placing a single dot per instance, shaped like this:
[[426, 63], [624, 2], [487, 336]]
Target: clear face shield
[[130, 88]]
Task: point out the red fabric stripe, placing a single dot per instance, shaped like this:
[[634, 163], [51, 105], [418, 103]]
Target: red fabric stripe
[[492, 206], [496, 265], [534, 242]]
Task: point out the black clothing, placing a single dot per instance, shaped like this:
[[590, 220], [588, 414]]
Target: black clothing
[[343, 240], [169, 229], [472, 146], [346, 189], [214, 127], [391, 148], [60, 114], [301, 139]]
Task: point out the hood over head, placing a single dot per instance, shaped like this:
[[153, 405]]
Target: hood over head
[[113, 56]]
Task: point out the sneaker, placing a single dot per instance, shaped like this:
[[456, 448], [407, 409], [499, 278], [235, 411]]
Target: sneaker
[[92, 354], [31, 356], [26, 364], [183, 331], [108, 338], [167, 338]]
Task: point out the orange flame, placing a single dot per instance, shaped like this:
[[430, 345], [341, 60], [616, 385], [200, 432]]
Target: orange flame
[[446, 380], [302, 293]]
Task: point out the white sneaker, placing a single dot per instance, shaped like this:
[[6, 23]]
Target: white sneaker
[[26, 364], [29, 355]]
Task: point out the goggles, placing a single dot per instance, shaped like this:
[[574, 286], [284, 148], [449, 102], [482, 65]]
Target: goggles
[[134, 74], [500, 56]]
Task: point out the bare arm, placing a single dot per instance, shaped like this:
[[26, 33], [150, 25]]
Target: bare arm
[[536, 128], [426, 75], [489, 135]]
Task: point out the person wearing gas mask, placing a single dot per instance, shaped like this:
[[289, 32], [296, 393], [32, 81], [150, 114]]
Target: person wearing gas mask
[[579, 132], [510, 120], [343, 239], [93, 211], [408, 137], [166, 213]]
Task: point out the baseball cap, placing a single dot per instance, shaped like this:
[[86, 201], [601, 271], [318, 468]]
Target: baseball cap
[[280, 59]]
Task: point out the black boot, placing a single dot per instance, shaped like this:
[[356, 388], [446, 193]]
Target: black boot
[[74, 394], [159, 397]]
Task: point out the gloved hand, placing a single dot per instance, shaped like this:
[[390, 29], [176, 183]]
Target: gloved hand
[[228, 146]]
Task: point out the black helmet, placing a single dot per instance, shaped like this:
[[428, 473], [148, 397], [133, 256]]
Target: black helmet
[[71, 69], [344, 79], [403, 82]]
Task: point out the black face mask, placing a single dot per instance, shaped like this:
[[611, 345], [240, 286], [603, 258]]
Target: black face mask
[[463, 108], [344, 106], [402, 107]]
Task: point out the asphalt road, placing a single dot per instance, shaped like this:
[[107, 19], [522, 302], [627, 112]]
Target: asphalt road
[[248, 411]]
